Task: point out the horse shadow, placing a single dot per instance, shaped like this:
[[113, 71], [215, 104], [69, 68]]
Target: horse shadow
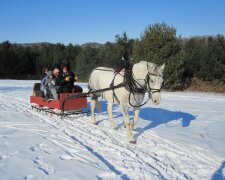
[[158, 116], [103, 111], [103, 107], [218, 175]]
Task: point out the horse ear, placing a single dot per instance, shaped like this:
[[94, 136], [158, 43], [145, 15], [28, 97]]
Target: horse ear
[[162, 67]]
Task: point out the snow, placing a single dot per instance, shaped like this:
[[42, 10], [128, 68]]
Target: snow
[[182, 138]]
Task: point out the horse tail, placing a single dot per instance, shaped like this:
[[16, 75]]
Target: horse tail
[[93, 96], [89, 80]]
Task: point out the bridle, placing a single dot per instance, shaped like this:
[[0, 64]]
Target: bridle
[[147, 83], [146, 87]]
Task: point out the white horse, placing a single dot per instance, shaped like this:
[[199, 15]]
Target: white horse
[[148, 77]]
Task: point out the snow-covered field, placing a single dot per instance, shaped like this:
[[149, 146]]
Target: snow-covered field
[[182, 138]]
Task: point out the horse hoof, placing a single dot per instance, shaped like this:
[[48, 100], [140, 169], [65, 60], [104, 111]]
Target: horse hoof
[[95, 123], [115, 128], [133, 142]]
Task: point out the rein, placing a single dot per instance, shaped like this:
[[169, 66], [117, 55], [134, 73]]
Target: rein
[[133, 86], [130, 83]]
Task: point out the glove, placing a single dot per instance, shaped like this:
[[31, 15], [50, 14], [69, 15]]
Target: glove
[[75, 78], [67, 78]]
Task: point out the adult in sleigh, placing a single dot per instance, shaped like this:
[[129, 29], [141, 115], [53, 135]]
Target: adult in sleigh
[[55, 88]]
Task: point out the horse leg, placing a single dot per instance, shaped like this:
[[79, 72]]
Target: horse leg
[[93, 105], [128, 125], [136, 116], [109, 108], [98, 106]]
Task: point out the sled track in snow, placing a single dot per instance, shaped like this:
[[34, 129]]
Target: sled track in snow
[[152, 157]]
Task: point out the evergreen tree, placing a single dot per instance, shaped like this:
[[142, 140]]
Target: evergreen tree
[[159, 44]]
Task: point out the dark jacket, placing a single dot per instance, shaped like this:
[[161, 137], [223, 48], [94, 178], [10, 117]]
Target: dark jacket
[[65, 81]]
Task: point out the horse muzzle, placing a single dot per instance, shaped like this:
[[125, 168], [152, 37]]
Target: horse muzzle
[[156, 98]]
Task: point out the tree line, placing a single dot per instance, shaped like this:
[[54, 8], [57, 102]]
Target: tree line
[[201, 57]]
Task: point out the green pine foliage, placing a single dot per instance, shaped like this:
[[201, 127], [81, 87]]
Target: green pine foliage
[[197, 58], [205, 58], [159, 44]]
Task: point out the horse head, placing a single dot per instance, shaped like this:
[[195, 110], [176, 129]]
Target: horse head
[[154, 80], [150, 78]]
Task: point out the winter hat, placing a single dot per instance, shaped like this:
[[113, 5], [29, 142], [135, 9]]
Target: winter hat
[[65, 65], [49, 73]]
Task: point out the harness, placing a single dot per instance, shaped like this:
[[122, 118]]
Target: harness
[[134, 89], [131, 84]]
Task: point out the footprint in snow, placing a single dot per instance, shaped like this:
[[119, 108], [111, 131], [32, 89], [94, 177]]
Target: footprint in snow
[[41, 147], [40, 163], [4, 136], [6, 156], [66, 157], [28, 177]]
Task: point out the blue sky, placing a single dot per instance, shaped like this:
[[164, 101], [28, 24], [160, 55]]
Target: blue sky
[[81, 21]]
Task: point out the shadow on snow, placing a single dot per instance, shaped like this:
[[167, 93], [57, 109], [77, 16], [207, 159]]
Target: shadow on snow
[[219, 174], [156, 116], [159, 116]]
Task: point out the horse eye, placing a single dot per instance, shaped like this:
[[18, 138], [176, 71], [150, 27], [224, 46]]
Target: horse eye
[[152, 81]]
